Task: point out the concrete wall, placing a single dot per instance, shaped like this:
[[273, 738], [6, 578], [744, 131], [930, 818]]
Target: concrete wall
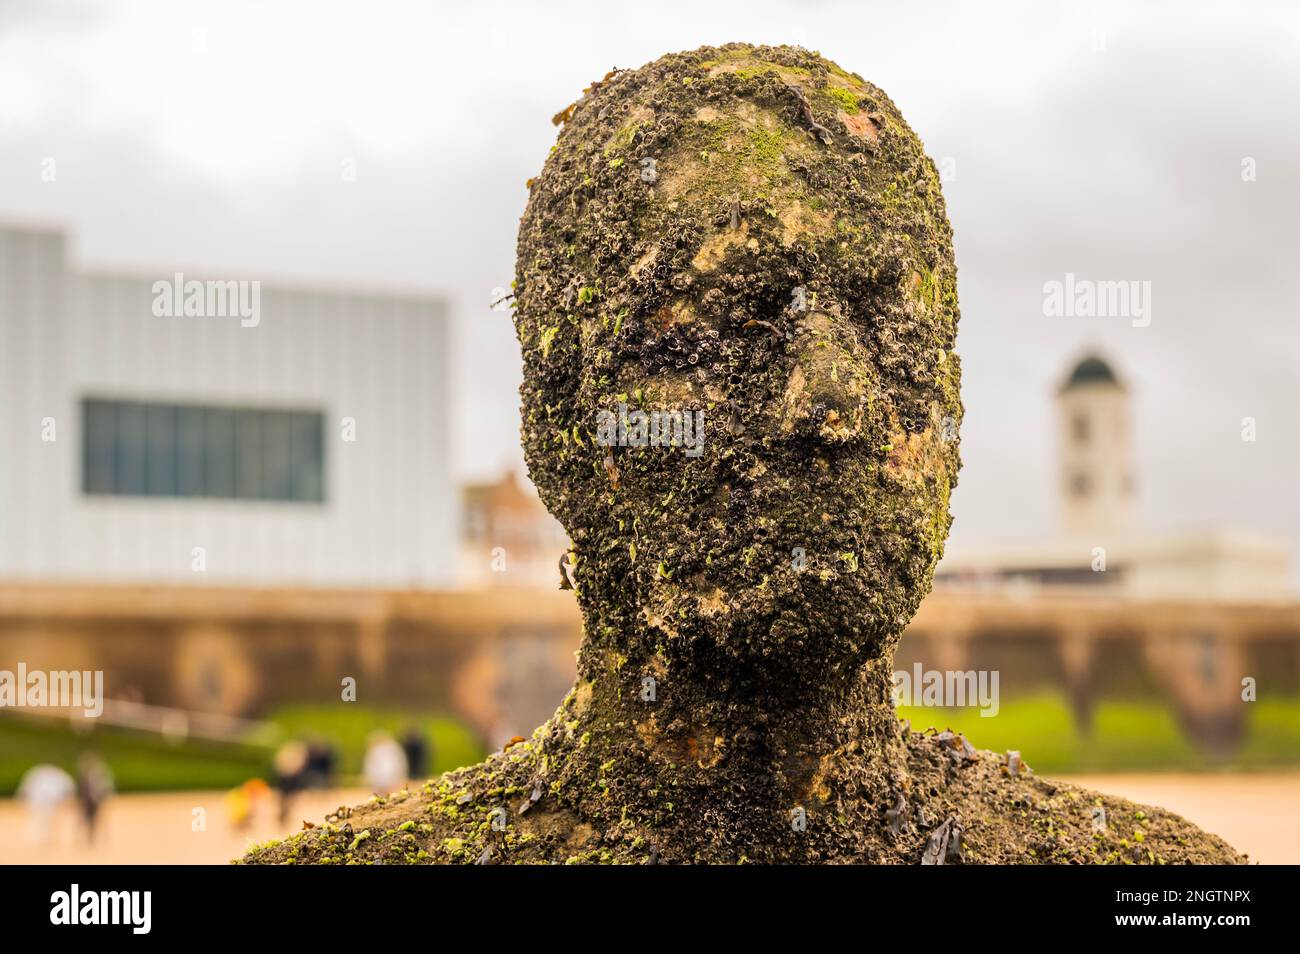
[[499, 660], [502, 660]]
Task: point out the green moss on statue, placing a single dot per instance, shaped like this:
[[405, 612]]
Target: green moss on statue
[[753, 233]]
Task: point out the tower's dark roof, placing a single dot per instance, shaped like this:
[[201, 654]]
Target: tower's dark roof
[[1091, 370]]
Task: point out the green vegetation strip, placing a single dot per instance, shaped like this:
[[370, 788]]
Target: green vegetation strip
[[147, 762]]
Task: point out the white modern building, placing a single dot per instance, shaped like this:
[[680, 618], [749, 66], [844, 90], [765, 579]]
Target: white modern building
[[215, 428]]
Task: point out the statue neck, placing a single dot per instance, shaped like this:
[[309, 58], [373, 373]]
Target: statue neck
[[695, 723]]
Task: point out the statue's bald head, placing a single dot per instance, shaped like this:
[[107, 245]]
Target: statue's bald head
[[757, 235]]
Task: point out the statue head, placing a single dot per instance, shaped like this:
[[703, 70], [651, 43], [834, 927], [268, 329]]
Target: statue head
[[736, 300]]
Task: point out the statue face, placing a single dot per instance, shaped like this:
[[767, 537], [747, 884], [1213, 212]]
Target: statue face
[[740, 394]]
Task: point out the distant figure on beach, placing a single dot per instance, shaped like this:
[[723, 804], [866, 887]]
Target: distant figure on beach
[[418, 752], [290, 764], [385, 766], [322, 758], [44, 788], [241, 803], [94, 787]]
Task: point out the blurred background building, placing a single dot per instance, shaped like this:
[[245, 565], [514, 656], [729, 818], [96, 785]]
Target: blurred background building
[[508, 538], [311, 447], [1118, 644], [1102, 539]]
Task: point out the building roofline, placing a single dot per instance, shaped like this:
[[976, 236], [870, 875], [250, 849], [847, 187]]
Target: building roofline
[[75, 266], [1091, 369], [274, 283]]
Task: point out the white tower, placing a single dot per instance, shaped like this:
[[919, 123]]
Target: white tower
[[1098, 488]]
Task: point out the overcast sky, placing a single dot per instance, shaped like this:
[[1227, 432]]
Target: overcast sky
[[1092, 138]]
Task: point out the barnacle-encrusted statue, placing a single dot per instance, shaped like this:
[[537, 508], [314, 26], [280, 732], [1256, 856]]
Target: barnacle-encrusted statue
[[737, 304]]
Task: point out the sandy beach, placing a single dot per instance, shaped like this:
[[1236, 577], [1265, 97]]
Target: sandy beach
[[161, 828], [1254, 812]]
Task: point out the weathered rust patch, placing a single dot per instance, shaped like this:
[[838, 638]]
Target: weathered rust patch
[[860, 125]]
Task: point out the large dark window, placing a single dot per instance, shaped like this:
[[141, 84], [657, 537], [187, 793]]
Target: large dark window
[[152, 449]]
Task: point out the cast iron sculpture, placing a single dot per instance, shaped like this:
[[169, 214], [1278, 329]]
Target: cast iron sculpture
[[736, 299]]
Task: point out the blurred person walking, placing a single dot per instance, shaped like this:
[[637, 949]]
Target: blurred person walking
[[385, 765], [321, 761], [44, 788], [94, 787], [418, 753], [291, 764], [241, 803]]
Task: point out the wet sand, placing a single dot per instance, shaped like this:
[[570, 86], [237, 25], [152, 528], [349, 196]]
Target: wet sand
[[1253, 812], [159, 829]]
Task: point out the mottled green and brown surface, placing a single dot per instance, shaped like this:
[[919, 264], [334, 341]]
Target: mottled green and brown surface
[[1005, 820], [756, 233]]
